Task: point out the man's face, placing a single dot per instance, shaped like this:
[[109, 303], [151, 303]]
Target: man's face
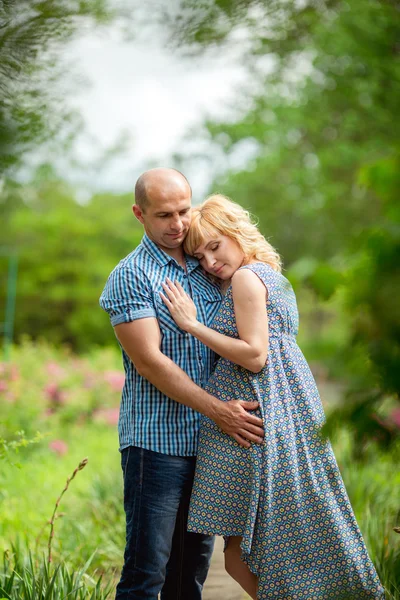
[[166, 218]]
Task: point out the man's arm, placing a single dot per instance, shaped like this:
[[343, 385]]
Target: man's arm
[[141, 341]]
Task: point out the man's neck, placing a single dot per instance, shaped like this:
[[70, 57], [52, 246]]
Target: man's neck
[[176, 253]]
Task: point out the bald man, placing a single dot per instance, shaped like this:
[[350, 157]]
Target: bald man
[[162, 399]]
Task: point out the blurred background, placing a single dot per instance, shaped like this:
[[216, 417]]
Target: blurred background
[[289, 107]]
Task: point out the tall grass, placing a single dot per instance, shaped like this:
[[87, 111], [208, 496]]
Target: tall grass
[[373, 485], [21, 578]]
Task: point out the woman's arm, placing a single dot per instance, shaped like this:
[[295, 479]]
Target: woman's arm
[[249, 297]]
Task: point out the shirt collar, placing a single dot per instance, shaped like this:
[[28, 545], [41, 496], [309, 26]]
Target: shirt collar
[[191, 263], [162, 258], [155, 252]]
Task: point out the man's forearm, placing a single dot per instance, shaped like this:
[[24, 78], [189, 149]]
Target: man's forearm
[[232, 417], [172, 381], [166, 376]]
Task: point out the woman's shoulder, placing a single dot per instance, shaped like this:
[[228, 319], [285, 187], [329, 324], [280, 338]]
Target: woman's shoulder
[[261, 269], [244, 275], [271, 278], [247, 281]]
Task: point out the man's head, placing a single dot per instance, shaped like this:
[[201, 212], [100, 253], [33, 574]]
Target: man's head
[[163, 204]]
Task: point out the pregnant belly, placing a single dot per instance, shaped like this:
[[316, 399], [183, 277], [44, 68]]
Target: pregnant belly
[[231, 382]]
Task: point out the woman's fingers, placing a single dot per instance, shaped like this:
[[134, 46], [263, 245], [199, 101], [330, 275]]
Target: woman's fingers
[[180, 288], [166, 300], [175, 292], [170, 289], [176, 288]]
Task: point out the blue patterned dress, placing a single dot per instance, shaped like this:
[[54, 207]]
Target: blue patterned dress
[[286, 497]]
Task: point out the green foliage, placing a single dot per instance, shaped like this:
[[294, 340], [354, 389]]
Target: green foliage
[[374, 287], [66, 251], [9, 447], [21, 578], [63, 390], [372, 355], [327, 107], [74, 402], [372, 489], [32, 108], [198, 25]]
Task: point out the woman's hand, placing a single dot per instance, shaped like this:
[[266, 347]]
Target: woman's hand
[[180, 305]]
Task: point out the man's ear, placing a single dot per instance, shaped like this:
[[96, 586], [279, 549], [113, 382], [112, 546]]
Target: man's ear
[[138, 213]]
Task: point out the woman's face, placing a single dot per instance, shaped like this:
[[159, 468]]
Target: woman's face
[[220, 255]]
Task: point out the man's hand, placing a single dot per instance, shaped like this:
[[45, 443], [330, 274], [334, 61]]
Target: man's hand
[[233, 418]]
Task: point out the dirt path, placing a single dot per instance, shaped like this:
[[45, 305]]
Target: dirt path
[[219, 586]]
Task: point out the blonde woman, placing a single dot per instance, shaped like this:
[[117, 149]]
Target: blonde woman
[[282, 507]]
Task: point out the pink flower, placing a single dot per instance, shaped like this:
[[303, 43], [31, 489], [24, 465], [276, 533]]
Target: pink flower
[[14, 373], [395, 416], [108, 415], [54, 370], [115, 379], [3, 386], [59, 447], [54, 393], [9, 371], [90, 380]]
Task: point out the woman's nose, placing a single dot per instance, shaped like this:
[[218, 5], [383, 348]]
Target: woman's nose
[[210, 261]]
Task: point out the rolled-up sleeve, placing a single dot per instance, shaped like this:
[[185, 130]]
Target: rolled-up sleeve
[[126, 296]]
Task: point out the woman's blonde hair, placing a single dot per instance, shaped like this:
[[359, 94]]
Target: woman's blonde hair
[[219, 215]]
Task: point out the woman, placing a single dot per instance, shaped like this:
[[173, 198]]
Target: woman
[[289, 528]]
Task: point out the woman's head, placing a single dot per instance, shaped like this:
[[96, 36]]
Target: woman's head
[[223, 237]]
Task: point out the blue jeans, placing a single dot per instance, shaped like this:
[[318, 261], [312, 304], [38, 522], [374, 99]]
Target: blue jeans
[[160, 555]]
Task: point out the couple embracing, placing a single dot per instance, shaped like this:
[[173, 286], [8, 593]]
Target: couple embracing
[[220, 416]]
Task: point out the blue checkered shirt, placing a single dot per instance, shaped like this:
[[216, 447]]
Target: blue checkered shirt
[[148, 418]]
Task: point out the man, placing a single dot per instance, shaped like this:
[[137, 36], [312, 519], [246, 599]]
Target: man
[[162, 397]]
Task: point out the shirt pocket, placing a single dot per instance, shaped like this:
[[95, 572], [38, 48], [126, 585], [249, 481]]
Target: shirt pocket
[[208, 303]]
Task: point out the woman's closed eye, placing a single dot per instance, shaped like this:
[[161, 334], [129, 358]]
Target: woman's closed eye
[[200, 257]]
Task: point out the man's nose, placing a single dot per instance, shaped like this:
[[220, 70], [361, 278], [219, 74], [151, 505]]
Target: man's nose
[[177, 223]]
